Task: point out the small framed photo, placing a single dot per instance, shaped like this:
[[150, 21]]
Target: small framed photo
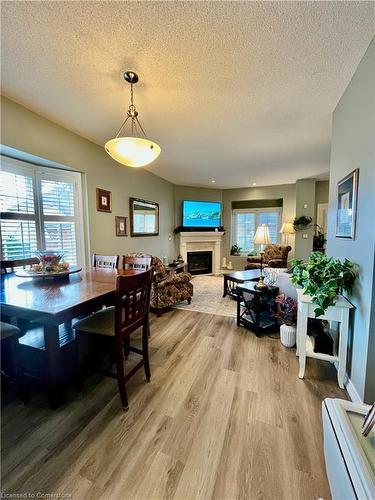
[[347, 190], [121, 226], [103, 200]]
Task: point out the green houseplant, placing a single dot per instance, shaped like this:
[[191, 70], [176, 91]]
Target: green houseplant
[[323, 278], [301, 222], [319, 239], [235, 250]]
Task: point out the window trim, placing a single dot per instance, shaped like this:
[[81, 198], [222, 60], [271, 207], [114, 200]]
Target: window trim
[[236, 211], [39, 173]]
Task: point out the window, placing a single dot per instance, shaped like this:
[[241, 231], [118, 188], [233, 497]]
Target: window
[[41, 208], [144, 221], [246, 221]]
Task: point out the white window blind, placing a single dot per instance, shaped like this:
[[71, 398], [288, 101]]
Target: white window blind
[[41, 208], [245, 222]]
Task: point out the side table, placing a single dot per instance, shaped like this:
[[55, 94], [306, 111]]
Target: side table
[[175, 269], [232, 278], [340, 313], [254, 307]]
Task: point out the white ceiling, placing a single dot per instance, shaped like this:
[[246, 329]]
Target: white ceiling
[[240, 92]]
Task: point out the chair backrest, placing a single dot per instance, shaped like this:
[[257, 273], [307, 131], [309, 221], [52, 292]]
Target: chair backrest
[[159, 269], [132, 303], [11, 264], [135, 262], [276, 252], [105, 261]]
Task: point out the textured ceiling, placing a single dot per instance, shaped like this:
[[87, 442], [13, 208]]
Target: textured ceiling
[[240, 92]]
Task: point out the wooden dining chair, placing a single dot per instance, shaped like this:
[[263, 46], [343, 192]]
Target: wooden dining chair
[[135, 262], [105, 261], [131, 312], [11, 264]]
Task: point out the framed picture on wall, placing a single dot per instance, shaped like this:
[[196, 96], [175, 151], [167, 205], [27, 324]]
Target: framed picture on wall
[[347, 190], [103, 200], [121, 226]]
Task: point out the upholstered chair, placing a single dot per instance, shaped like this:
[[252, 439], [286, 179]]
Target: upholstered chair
[[274, 256], [167, 289]]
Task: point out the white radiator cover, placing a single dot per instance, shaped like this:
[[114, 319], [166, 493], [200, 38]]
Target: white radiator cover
[[349, 472]]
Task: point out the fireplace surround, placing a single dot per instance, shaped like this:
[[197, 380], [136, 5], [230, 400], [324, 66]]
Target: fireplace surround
[[200, 241]]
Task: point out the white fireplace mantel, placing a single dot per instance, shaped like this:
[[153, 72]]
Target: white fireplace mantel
[[202, 241]]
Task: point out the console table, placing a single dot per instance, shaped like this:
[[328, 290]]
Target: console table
[[340, 313]]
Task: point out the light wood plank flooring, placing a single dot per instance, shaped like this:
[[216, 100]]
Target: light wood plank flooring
[[225, 416]]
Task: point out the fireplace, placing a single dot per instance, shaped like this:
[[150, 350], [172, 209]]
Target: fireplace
[[199, 262]]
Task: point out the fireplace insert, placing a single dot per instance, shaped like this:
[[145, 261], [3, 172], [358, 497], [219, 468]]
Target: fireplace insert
[[199, 262]]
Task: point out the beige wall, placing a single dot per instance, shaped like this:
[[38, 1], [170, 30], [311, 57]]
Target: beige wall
[[321, 192], [33, 134], [305, 205], [353, 146]]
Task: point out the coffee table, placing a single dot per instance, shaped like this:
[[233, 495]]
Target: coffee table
[[233, 278]]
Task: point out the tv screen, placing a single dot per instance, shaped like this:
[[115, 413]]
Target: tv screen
[[201, 213]]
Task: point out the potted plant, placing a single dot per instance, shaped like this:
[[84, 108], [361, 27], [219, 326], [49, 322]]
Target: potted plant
[[235, 250], [287, 313], [323, 278], [319, 239], [301, 222]]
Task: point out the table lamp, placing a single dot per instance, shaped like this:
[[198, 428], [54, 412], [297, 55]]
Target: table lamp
[[287, 229], [262, 237]]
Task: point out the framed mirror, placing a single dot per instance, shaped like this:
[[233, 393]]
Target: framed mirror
[[144, 217]]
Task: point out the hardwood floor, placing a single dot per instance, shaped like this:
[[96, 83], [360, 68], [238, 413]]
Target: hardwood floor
[[225, 416]]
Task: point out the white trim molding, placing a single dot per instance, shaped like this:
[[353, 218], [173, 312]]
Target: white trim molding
[[352, 391], [197, 241]]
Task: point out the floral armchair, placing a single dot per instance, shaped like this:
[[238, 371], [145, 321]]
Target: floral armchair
[[167, 289], [274, 256]]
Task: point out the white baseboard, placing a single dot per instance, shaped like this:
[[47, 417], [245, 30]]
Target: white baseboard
[[352, 391]]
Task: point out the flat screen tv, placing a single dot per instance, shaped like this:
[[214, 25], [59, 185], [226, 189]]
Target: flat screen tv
[[202, 214]]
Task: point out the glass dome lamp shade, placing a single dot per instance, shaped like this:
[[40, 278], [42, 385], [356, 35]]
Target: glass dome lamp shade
[[132, 151], [135, 150]]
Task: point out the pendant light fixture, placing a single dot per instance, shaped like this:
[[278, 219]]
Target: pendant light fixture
[[134, 150]]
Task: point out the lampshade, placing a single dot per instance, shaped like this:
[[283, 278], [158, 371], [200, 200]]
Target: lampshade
[[262, 235], [287, 228], [132, 151], [135, 150]]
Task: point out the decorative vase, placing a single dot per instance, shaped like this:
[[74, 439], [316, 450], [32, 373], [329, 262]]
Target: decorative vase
[[50, 260], [288, 335]]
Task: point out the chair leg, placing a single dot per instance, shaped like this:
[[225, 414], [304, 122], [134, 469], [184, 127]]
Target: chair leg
[[78, 368], [121, 377], [126, 346], [189, 300], [146, 360]]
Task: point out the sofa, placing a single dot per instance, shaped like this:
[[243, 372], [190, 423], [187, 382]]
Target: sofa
[[274, 256], [169, 289]]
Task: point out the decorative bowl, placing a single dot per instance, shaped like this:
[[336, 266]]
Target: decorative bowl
[[50, 261]]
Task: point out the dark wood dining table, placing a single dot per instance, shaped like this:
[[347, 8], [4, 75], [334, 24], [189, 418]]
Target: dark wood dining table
[[53, 304]]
